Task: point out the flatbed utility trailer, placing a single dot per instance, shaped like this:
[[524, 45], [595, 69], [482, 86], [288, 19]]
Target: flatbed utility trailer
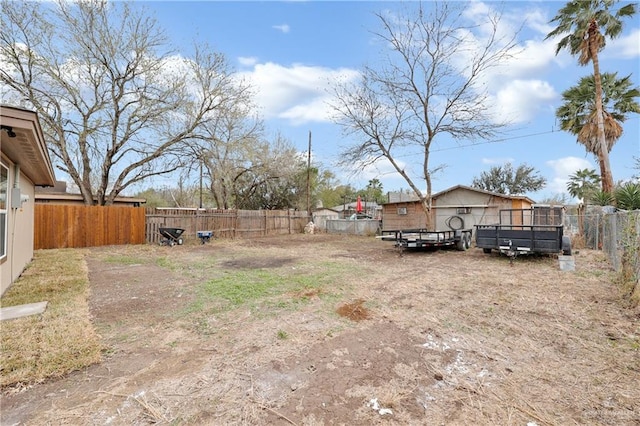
[[421, 238], [525, 231]]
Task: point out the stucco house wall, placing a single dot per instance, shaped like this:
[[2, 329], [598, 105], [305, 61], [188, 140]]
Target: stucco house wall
[[473, 206], [25, 163]]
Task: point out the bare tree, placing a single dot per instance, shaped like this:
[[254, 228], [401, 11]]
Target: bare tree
[[114, 102], [225, 148], [430, 84]]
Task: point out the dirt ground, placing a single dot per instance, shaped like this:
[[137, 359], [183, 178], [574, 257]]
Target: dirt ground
[[392, 338]]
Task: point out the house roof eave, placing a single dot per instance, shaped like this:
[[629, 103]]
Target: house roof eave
[[27, 147]]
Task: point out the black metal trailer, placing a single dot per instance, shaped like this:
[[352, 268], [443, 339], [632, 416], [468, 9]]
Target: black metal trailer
[[421, 238], [525, 231]]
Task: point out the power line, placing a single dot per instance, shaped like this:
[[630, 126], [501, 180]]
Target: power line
[[495, 141]]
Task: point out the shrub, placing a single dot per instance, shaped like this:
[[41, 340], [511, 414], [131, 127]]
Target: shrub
[[628, 196]]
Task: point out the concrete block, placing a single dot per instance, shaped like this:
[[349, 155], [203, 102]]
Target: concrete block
[[567, 263]]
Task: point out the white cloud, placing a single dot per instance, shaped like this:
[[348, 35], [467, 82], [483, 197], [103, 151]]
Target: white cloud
[[313, 110], [283, 27], [626, 47], [562, 168], [298, 93], [536, 19], [247, 61], [533, 58], [520, 100], [516, 91]]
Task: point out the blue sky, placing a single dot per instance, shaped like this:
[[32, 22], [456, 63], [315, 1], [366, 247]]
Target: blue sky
[[290, 51]]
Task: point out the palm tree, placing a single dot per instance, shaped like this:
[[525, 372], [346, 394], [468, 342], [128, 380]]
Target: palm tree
[[374, 190], [578, 114], [582, 21], [581, 185]]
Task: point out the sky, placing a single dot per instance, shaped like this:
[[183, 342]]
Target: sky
[[291, 52]]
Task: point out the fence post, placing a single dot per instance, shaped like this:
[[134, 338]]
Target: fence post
[[235, 223], [598, 223], [614, 240]]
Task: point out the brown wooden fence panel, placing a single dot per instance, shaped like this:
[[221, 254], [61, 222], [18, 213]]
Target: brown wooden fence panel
[[70, 226], [224, 223], [251, 224]]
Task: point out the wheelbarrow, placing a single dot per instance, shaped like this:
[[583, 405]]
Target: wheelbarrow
[[171, 236], [205, 236]]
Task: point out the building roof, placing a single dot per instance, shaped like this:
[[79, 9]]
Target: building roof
[[57, 196], [22, 141], [469, 188], [59, 193], [495, 194]]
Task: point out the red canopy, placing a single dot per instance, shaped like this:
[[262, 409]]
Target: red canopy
[[358, 205]]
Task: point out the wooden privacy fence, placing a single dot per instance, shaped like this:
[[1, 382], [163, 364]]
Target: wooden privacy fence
[[224, 223], [65, 226]]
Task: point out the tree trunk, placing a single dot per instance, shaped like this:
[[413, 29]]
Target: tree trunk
[[426, 206], [581, 210], [426, 201], [603, 149]]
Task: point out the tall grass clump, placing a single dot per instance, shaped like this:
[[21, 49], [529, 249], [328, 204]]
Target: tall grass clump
[[58, 341]]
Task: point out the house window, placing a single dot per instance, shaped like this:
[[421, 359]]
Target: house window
[[402, 210], [4, 191], [463, 210]]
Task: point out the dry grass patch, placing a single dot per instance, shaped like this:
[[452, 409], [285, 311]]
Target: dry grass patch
[[60, 340]]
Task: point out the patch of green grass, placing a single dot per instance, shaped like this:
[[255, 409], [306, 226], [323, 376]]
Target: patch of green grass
[[60, 340], [240, 287], [282, 335], [124, 260], [165, 262], [264, 290]]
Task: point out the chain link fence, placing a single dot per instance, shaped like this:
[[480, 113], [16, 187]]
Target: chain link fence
[[617, 233]]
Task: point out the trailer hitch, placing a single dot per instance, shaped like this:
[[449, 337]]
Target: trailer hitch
[[507, 248]]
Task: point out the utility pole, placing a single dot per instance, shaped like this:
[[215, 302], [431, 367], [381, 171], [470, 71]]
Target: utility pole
[[309, 178], [200, 182]]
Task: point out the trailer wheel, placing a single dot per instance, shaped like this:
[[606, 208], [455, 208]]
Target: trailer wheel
[[566, 245], [468, 240], [461, 244]]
